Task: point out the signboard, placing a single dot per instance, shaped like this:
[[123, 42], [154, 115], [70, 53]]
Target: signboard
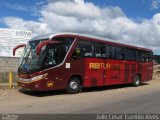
[[10, 38]]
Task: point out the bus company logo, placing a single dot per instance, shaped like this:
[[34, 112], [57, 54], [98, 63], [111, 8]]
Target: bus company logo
[[23, 33], [50, 84], [107, 66]]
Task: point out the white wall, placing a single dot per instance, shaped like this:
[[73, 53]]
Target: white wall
[[10, 38]]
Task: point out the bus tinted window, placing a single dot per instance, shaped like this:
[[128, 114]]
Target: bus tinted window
[[119, 53], [139, 55], [53, 55], [130, 54], [148, 56], [100, 49], [83, 49], [113, 52], [108, 51], [66, 41]]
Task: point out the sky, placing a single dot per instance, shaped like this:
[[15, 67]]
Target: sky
[[134, 22]]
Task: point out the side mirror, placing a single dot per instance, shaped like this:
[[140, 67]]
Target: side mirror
[[44, 43], [17, 47]]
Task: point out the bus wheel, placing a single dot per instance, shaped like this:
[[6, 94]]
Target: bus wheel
[[74, 86], [137, 81]]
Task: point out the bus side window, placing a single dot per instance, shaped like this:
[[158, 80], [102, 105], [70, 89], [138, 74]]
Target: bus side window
[[83, 49], [61, 52], [113, 52], [50, 57], [148, 56], [119, 53], [77, 53], [139, 56], [145, 56], [99, 49], [108, 51], [130, 54]]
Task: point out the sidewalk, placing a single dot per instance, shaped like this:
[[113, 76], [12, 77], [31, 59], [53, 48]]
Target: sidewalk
[[6, 85]]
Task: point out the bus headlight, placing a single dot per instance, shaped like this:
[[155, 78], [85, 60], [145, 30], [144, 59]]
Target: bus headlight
[[32, 79], [39, 77]]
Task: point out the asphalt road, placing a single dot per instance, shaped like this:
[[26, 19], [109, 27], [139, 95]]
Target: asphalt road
[[113, 99]]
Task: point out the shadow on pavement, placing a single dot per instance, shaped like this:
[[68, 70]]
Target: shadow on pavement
[[85, 90]]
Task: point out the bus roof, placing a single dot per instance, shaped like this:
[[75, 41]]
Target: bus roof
[[95, 38]]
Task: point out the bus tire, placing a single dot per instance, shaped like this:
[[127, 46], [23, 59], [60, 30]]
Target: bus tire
[[137, 81], [74, 85]]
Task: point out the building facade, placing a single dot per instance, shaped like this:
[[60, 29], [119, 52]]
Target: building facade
[[9, 38]]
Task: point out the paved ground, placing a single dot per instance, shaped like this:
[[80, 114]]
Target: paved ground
[[114, 99]]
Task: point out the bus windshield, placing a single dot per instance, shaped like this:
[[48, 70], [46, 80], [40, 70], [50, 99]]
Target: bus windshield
[[50, 56], [29, 58]]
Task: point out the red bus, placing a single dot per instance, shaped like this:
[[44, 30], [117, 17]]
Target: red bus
[[74, 61]]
